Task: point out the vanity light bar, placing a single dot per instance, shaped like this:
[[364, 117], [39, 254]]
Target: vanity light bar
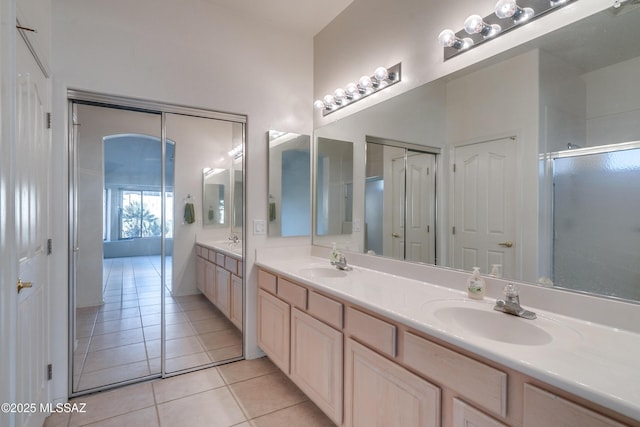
[[508, 14], [381, 78]]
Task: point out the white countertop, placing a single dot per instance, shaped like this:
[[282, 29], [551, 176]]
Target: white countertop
[[225, 246], [596, 362]]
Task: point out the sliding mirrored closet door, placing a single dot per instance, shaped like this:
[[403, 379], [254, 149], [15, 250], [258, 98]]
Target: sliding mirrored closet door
[[136, 309]]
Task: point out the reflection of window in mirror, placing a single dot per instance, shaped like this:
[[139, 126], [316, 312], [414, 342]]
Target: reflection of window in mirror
[[289, 202], [214, 193]]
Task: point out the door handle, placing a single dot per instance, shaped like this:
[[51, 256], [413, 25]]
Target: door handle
[[507, 244], [22, 285], [395, 235]]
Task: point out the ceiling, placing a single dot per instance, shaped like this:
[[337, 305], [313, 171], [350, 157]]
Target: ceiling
[[304, 17]]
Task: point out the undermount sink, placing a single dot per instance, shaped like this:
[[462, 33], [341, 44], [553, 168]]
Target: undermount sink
[[322, 272], [480, 320]]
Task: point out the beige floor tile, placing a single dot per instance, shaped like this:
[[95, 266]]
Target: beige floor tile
[[220, 339], [225, 353], [179, 330], [147, 417], [201, 314], [89, 380], [213, 408], [116, 339], [182, 347], [59, 419], [112, 403], [116, 356], [177, 317], [246, 369], [119, 305], [187, 384], [306, 412], [211, 325], [150, 309], [153, 347], [186, 362], [265, 394], [116, 325], [125, 313], [152, 332], [151, 319]]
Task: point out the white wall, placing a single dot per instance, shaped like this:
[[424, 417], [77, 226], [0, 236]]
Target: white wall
[[613, 103], [370, 33], [191, 53]]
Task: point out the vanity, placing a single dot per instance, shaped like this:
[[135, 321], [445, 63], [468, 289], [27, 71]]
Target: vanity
[[219, 267], [373, 348]]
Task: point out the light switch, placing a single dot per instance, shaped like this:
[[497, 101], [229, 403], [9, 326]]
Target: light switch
[[259, 227]]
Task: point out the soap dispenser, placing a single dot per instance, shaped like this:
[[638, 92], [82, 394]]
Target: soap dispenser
[[476, 287]]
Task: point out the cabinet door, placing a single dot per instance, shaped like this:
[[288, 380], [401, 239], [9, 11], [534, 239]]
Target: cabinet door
[[209, 280], [465, 416], [236, 301], [380, 393], [200, 274], [316, 362], [274, 329], [222, 298]]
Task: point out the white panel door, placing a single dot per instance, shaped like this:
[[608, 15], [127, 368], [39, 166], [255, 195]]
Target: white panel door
[[485, 203], [398, 178], [32, 201], [420, 218]]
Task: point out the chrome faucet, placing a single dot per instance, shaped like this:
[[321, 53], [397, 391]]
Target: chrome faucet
[[341, 263], [511, 303], [234, 238]]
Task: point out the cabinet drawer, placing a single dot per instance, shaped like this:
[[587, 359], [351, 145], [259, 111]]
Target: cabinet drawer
[[240, 268], [325, 309], [542, 408], [478, 382], [292, 293], [267, 281], [466, 415], [370, 330], [211, 256], [220, 259], [231, 264]]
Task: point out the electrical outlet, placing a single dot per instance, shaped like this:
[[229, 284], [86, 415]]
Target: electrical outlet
[[259, 227]]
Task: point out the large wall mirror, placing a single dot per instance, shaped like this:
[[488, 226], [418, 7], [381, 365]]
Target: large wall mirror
[[537, 174], [289, 184]]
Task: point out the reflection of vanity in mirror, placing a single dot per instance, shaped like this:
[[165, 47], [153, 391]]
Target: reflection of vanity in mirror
[[532, 165]]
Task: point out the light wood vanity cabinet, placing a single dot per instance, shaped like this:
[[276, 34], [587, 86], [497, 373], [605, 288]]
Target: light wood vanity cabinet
[[395, 376], [219, 278], [316, 362], [380, 393]]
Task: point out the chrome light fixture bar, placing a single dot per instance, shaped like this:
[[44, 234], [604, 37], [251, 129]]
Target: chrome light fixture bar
[[508, 14], [367, 85]]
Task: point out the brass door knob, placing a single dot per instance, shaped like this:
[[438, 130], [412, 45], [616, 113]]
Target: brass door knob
[[395, 235], [22, 285], [506, 244]]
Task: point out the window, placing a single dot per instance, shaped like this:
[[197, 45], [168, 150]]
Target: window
[[140, 214]]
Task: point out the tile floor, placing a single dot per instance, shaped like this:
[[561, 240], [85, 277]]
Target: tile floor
[[243, 394], [120, 339]]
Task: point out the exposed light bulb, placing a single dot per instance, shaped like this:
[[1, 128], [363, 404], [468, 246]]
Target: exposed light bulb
[[328, 101], [318, 104], [381, 73], [365, 82], [505, 8], [556, 3], [476, 25], [352, 90], [339, 94], [447, 38], [510, 9]]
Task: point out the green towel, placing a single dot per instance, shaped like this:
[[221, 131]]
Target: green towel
[[189, 213], [272, 211]]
